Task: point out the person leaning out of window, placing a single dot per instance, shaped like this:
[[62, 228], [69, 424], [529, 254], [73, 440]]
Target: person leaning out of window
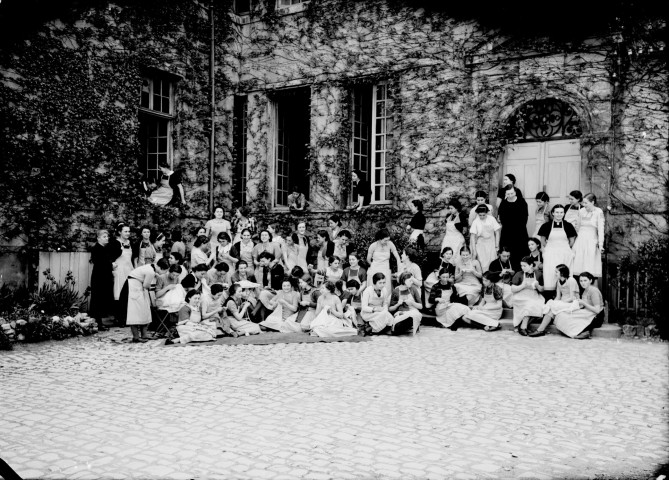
[[362, 189]]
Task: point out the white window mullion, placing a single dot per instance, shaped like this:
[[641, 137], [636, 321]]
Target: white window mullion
[[379, 165]]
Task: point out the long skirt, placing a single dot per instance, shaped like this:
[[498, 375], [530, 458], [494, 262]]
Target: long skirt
[[244, 327], [587, 255], [162, 195], [467, 289], [197, 332], [448, 313], [285, 325], [558, 306], [411, 314], [485, 316], [573, 323], [485, 252], [138, 311], [527, 303], [378, 320], [102, 294], [328, 326]]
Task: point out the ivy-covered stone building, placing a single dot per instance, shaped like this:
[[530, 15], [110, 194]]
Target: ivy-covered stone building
[[250, 97]]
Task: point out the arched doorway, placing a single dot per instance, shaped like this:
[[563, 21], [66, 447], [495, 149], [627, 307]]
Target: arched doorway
[[545, 155]]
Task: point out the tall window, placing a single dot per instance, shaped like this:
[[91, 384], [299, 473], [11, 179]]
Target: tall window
[[293, 124], [288, 3], [372, 127], [155, 121], [240, 132]]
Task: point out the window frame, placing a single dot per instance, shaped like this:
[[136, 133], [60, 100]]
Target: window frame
[[149, 117], [371, 139]]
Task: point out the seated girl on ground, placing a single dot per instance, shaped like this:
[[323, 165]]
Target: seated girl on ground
[[579, 323], [489, 310], [503, 274], [334, 272], [405, 306], [447, 313], [237, 309], [467, 277], [330, 320], [527, 300], [284, 307], [191, 327], [446, 263], [375, 300]]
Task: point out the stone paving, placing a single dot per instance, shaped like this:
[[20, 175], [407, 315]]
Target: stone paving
[[463, 405]]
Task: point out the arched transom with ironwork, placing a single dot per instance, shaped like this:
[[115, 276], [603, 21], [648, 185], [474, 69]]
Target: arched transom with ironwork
[[541, 120]]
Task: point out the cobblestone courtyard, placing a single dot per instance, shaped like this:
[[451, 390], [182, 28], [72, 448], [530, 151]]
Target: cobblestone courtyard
[[465, 404]]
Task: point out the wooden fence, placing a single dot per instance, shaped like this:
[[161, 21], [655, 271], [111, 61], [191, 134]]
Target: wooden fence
[[61, 262], [628, 294]]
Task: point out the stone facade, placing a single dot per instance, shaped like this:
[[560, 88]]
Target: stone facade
[[451, 87]]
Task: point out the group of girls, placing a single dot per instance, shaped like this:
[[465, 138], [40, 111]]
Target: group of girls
[[502, 265]]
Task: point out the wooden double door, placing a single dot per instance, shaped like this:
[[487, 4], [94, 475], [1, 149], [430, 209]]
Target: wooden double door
[[553, 167]]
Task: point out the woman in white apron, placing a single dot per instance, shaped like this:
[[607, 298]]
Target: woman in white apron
[[557, 237], [467, 277], [572, 210], [284, 305], [378, 257], [541, 214], [527, 301], [330, 320], [576, 324], [454, 226], [122, 264], [237, 310], [484, 237], [447, 313], [590, 241], [375, 300], [489, 310], [566, 299], [355, 272]]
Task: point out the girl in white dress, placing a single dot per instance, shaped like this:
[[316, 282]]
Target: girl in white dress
[[481, 199], [330, 320], [527, 301], [454, 227], [216, 225], [577, 324], [484, 237], [291, 251], [447, 313], [489, 310], [557, 236], [375, 300], [590, 242], [467, 277], [137, 303], [378, 257], [566, 299]]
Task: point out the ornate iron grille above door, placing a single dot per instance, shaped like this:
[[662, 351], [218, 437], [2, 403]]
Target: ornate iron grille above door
[[541, 120]]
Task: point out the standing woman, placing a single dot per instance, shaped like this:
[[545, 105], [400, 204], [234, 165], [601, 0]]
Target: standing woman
[[355, 272], [102, 281], [362, 189], [135, 302], [571, 213], [121, 255], [513, 217], [143, 252], [216, 225], [334, 225], [541, 215], [484, 237], [508, 181], [454, 227], [557, 236], [302, 246], [266, 245], [291, 251], [417, 225], [481, 199], [577, 324], [590, 242], [242, 221], [243, 249], [378, 256]]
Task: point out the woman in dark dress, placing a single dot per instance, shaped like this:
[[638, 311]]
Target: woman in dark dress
[[508, 179], [362, 189], [417, 224], [102, 281], [513, 217]]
